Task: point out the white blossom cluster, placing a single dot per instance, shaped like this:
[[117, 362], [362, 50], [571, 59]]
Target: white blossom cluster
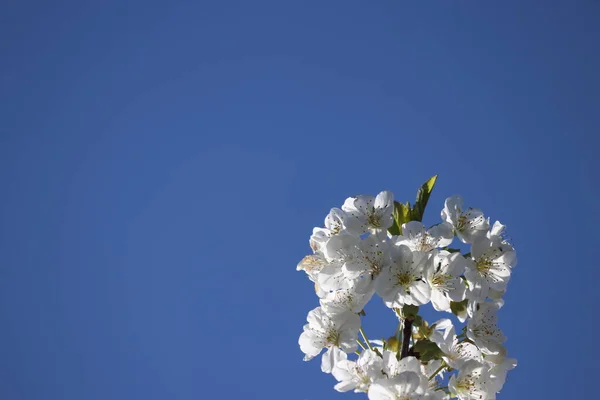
[[356, 257]]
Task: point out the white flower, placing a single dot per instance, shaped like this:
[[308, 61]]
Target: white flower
[[497, 231], [370, 257], [483, 329], [404, 282], [440, 330], [444, 279], [439, 395], [499, 371], [368, 213], [318, 239], [355, 256], [490, 268], [359, 374], [337, 251], [325, 331], [417, 238], [430, 368], [394, 367], [332, 278], [334, 221], [341, 247], [496, 295], [407, 385], [334, 224], [468, 224], [473, 382], [352, 299], [456, 353], [332, 357], [312, 265]]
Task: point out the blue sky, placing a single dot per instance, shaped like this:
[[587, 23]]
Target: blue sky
[[163, 164]]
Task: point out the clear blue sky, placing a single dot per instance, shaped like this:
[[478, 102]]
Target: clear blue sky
[[162, 165]]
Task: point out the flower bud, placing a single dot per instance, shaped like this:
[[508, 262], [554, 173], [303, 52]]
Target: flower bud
[[393, 344]]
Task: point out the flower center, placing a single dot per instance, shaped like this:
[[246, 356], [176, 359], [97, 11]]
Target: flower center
[[404, 280], [375, 268], [484, 265], [335, 229], [424, 243], [374, 220], [461, 223], [439, 280], [465, 384], [333, 337]]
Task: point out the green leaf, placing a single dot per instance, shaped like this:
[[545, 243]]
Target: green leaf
[[404, 213], [410, 312], [419, 321], [401, 214], [422, 198], [459, 308], [427, 350]]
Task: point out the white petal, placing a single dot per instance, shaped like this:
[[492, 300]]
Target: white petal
[[413, 228], [348, 205], [384, 200], [407, 383], [456, 264], [309, 345], [444, 233], [331, 358], [331, 277], [420, 293], [439, 301], [364, 204], [460, 290], [378, 391], [345, 386]]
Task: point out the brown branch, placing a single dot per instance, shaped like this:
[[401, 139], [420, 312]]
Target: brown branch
[[406, 334]]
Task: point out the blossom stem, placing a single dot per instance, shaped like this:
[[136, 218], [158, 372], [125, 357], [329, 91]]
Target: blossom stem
[[406, 334], [399, 337], [362, 332], [437, 371], [362, 346]]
